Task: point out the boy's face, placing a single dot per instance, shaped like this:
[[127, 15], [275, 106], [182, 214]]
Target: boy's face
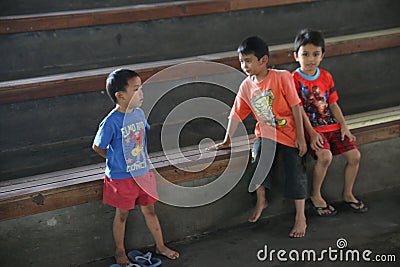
[[251, 65], [309, 56], [133, 96]]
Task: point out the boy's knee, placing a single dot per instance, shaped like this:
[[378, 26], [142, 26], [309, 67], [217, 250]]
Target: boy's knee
[[354, 157], [122, 215], [325, 157], [148, 211]]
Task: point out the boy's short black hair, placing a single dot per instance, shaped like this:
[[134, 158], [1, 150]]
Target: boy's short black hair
[[308, 36], [117, 81], [254, 45]]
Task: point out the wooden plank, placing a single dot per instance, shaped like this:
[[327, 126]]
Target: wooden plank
[[55, 183], [351, 44], [379, 113], [94, 80], [50, 200], [240, 4], [94, 172], [129, 14], [373, 117], [240, 144], [375, 133], [42, 201], [65, 192], [42, 178]]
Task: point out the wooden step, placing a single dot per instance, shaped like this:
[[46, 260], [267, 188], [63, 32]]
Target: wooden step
[[41, 193], [94, 80], [127, 14]]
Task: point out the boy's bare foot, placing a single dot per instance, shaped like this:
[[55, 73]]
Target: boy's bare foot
[[121, 258], [260, 206], [299, 228], [167, 252]]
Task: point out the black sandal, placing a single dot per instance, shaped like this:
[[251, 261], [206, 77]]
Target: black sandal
[[358, 205], [328, 207]]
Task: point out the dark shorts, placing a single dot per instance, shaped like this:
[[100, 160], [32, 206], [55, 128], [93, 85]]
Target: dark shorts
[[127, 193], [333, 142], [265, 153]]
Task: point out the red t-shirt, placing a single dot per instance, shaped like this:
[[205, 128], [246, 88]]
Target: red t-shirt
[[270, 101], [317, 93]]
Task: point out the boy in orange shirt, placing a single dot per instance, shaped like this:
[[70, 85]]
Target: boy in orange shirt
[[271, 97]]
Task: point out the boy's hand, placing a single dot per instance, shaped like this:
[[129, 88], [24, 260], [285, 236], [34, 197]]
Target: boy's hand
[[346, 132], [316, 141], [301, 146], [219, 146]]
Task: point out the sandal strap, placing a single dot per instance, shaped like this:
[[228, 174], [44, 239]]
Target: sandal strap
[[358, 204], [322, 208]]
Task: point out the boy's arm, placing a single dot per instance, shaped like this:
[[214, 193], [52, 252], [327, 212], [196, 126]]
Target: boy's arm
[[230, 131], [316, 141], [337, 113], [300, 139], [100, 151]]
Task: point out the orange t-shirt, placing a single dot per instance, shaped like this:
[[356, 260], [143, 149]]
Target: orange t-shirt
[[270, 101]]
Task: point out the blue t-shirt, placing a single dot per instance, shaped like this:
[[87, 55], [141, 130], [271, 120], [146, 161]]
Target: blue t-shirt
[[123, 136]]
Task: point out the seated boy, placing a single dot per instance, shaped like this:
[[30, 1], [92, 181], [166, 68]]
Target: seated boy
[[326, 128], [271, 97]]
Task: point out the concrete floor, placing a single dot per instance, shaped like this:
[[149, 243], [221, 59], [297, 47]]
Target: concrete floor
[[377, 231]]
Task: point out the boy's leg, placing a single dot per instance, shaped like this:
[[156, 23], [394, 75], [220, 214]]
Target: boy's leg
[[119, 224], [153, 224], [352, 155], [261, 204], [300, 225], [350, 172], [295, 186], [264, 152], [324, 159]]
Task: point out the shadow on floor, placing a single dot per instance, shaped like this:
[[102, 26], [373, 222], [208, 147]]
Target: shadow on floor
[[377, 231]]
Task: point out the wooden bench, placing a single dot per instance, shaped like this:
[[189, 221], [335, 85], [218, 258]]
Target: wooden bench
[[41, 193], [127, 14], [93, 80]]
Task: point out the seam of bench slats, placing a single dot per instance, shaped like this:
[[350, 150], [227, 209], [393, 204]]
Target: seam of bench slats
[[93, 80], [47, 192], [158, 159], [128, 14]]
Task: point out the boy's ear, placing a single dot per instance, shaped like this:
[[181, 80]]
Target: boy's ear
[[118, 95], [265, 59], [295, 56]]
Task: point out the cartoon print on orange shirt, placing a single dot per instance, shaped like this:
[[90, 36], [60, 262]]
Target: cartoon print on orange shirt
[[262, 106], [316, 106]]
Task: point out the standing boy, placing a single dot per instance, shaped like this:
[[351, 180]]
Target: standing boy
[[326, 128], [271, 97], [121, 140]]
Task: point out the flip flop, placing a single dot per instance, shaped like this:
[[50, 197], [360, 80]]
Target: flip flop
[[145, 260], [129, 265], [358, 205], [328, 207]]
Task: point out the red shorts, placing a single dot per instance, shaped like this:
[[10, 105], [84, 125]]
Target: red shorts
[[127, 193], [333, 142]]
